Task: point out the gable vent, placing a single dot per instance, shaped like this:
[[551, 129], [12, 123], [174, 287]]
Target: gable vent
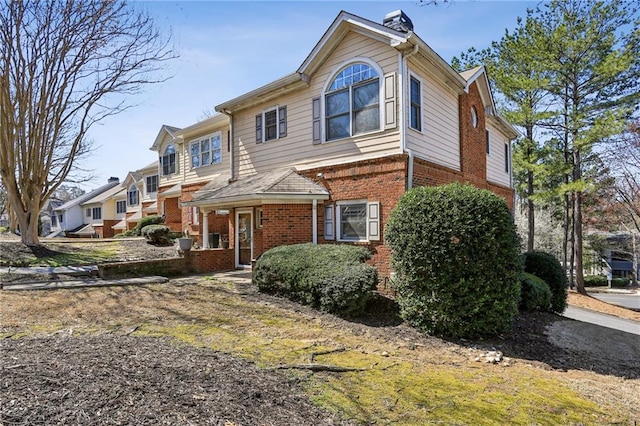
[[398, 20]]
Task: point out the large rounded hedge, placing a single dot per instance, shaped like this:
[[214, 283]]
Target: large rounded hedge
[[333, 278], [548, 268], [535, 294], [457, 261]]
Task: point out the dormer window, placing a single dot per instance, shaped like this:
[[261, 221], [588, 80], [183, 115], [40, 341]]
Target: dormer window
[[133, 196], [168, 161], [352, 102]]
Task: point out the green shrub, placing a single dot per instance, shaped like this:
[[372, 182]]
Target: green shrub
[[456, 257], [535, 294], [156, 234], [547, 267], [146, 221], [333, 278], [601, 281]]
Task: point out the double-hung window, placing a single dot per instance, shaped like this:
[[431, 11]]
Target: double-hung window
[[415, 109], [355, 221], [271, 124], [121, 207], [168, 161], [133, 196], [206, 151], [96, 213], [152, 184], [352, 102], [88, 212]]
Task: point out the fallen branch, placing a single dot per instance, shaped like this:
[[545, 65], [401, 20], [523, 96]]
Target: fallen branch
[[317, 367], [327, 352]]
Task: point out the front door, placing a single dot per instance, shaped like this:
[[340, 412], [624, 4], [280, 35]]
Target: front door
[[244, 238]]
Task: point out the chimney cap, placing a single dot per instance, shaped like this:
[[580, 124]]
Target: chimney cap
[[398, 20], [113, 179]]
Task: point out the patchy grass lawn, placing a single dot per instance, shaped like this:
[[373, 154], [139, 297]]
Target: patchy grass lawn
[[403, 377]]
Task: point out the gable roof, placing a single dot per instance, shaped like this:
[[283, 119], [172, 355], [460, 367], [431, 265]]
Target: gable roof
[[87, 196], [104, 196], [278, 184], [479, 75], [164, 130], [342, 24]]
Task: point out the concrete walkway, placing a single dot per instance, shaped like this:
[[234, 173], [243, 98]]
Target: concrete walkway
[[603, 320]]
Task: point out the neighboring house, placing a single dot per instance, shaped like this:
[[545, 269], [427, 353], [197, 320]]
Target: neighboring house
[[103, 212], [188, 159], [48, 219], [323, 154], [140, 196], [70, 216]]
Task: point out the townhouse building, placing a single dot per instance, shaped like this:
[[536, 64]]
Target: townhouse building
[[323, 154]]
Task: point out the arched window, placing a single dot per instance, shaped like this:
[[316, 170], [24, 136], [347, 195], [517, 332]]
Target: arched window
[[132, 195], [168, 161], [352, 102]]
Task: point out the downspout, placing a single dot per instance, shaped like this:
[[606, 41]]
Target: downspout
[[231, 144], [402, 59], [314, 222]]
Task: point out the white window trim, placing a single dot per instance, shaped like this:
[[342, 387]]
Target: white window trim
[[176, 161], [421, 81], [488, 141], [146, 184], [87, 212], [263, 120], [327, 84], [259, 218], [372, 220], [95, 210], [198, 140], [125, 206]]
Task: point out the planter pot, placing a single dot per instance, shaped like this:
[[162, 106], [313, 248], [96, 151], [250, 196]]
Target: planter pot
[[185, 244]]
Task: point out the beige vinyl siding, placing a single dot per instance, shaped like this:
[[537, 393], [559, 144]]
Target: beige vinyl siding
[[496, 158], [109, 209], [204, 173], [297, 148], [439, 140]]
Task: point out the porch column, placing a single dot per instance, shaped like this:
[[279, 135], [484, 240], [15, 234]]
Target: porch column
[[205, 229]]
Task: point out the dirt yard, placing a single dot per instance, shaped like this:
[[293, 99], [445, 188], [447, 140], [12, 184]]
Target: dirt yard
[[202, 350]]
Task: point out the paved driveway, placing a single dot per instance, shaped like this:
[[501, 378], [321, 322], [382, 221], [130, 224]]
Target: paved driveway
[[631, 301]]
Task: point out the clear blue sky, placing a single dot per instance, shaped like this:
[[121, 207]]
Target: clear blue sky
[[228, 48]]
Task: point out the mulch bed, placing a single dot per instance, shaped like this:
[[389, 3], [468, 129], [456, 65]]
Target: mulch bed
[[143, 381]]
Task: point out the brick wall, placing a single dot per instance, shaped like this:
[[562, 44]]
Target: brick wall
[[213, 260], [172, 213], [107, 231], [473, 152], [284, 224], [383, 180]]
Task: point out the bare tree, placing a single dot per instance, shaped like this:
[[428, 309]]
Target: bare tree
[[65, 66]]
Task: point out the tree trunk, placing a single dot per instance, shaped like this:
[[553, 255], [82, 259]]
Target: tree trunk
[[565, 238], [577, 222], [530, 212]]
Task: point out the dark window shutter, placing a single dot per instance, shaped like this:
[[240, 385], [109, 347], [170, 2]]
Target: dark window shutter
[[282, 121], [315, 106], [259, 128]]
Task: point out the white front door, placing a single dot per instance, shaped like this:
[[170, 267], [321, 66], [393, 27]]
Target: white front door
[[244, 238]]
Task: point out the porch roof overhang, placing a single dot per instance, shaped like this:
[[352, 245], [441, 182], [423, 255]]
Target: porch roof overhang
[[120, 225], [282, 186], [173, 192]]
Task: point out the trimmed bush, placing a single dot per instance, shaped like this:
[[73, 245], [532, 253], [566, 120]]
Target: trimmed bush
[[145, 221], [156, 234], [332, 278], [456, 255], [601, 281], [547, 267], [535, 294]]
